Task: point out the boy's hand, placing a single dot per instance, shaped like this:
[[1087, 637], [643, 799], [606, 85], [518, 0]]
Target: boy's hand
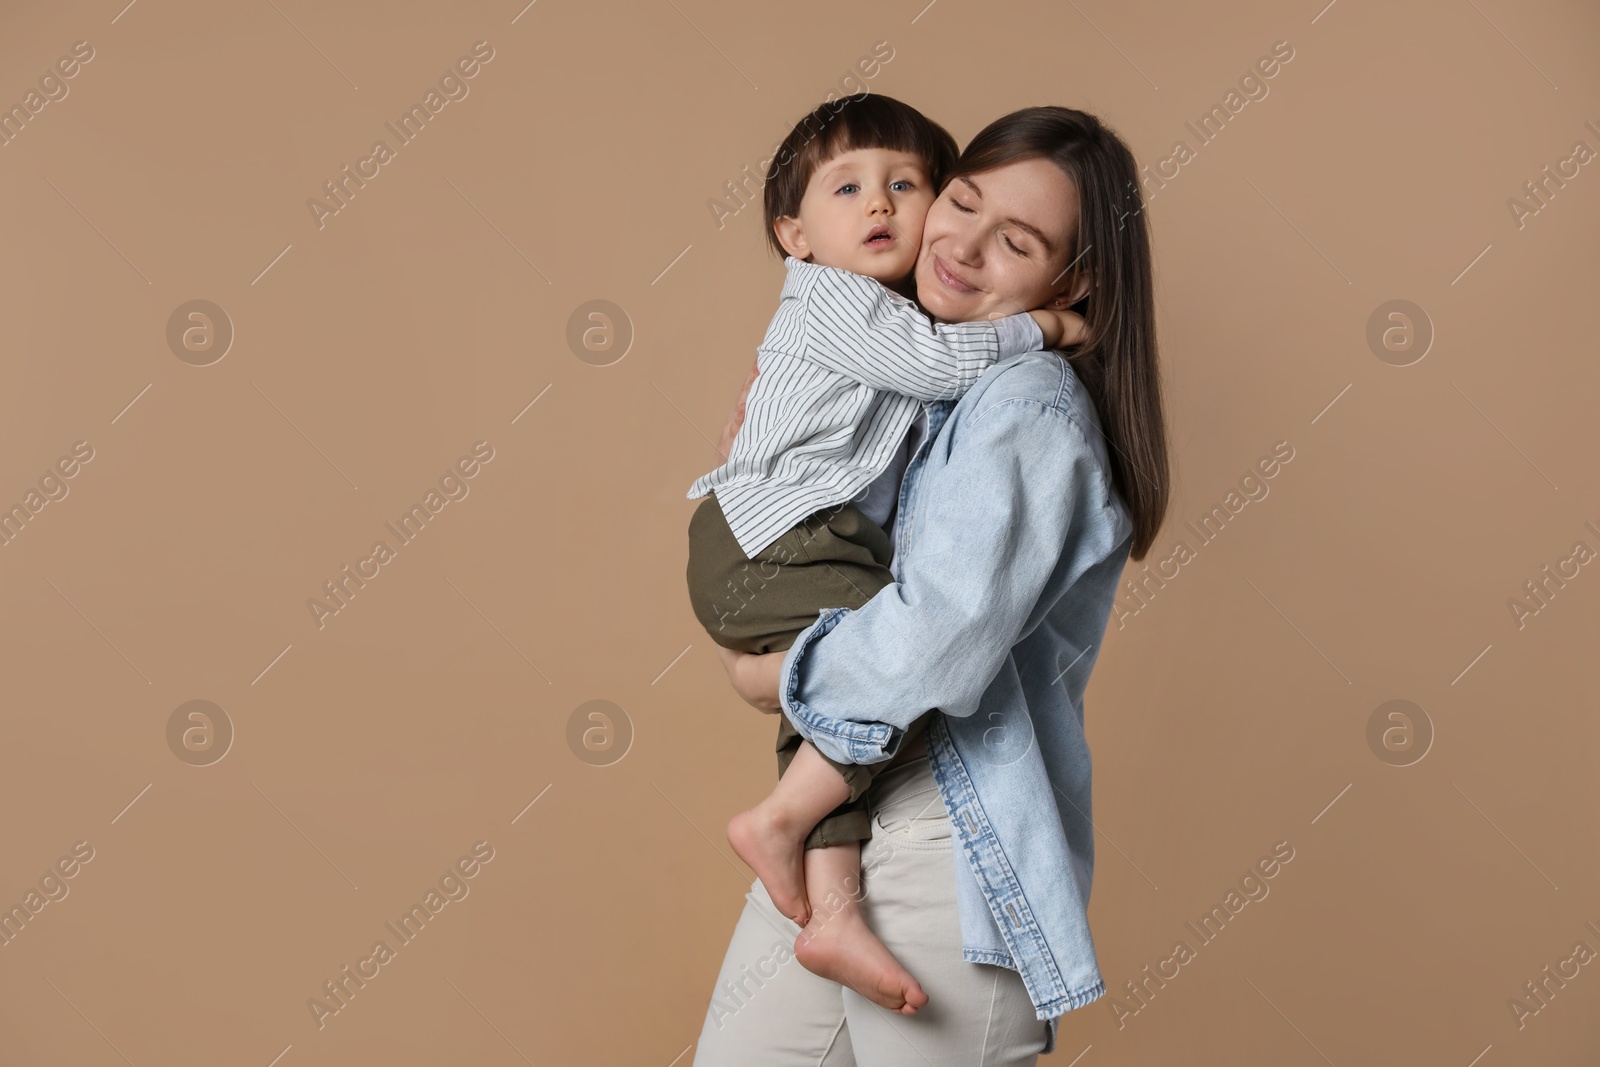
[[1060, 328], [736, 414]]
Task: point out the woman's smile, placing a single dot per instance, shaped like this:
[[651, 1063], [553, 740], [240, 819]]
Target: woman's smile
[[949, 278]]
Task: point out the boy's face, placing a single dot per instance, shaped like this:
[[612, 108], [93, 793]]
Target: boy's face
[[862, 211]]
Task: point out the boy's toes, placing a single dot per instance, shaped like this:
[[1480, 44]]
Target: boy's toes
[[795, 908], [901, 993], [914, 998], [792, 904]]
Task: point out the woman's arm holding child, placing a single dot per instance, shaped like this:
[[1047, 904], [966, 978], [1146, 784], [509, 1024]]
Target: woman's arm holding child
[[736, 414], [754, 676]]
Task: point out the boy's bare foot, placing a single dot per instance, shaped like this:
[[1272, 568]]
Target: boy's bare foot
[[773, 849], [841, 947]]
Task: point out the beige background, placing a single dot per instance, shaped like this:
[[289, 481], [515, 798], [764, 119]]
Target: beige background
[[433, 710]]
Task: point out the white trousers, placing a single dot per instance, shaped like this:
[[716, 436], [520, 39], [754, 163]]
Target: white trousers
[[769, 1011]]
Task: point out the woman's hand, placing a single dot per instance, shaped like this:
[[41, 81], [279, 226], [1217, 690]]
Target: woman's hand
[[736, 415], [754, 676]]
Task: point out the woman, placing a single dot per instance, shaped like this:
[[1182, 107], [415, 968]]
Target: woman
[[1017, 509]]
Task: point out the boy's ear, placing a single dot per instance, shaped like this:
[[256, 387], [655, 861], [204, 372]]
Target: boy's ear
[[792, 236]]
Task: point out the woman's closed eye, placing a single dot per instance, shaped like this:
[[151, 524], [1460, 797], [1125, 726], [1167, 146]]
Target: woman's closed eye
[[959, 206]]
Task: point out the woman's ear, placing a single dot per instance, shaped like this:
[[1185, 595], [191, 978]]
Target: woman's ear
[[1074, 292], [792, 236]]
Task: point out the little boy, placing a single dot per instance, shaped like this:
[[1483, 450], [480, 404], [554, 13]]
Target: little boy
[[843, 370]]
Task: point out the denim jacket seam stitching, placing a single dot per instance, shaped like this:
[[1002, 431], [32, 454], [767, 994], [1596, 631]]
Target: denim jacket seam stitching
[[1020, 400], [1073, 999], [1063, 412], [861, 738], [858, 738], [906, 508], [1015, 895], [1014, 892], [1064, 390]]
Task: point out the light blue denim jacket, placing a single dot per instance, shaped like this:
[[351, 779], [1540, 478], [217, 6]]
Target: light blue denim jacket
[[1010, 541]]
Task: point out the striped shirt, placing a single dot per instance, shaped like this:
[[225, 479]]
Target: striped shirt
[[845, 367]]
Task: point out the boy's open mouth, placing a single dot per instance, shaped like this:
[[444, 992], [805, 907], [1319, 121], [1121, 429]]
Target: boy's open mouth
[[880, 235]]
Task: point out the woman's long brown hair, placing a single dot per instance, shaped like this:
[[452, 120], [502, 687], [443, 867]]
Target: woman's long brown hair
[[1117, 360]]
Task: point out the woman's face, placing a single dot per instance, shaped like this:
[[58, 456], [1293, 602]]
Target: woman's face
[[998, 242]]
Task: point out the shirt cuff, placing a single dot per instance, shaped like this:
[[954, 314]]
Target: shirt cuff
[[838, 739], [1019, 334]]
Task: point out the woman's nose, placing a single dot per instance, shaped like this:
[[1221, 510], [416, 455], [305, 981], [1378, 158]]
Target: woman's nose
[[963, 248]]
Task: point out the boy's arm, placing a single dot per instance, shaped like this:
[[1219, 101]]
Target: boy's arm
[[856, 327]]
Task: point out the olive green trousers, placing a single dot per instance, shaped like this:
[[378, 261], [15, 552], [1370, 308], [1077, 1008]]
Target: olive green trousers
[[836, 557]]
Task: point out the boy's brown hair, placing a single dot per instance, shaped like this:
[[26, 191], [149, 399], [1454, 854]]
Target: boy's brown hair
[[867, 120]]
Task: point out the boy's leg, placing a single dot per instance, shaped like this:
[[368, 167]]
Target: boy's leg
[[769, 836], [848, 822], [837, 943], [812, 791], [976, 1012], [834, 558]]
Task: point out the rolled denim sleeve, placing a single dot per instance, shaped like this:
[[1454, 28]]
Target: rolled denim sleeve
[[992, 523]]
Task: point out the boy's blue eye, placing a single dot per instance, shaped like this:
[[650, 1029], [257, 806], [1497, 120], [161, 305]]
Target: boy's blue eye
[[902, 182]]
